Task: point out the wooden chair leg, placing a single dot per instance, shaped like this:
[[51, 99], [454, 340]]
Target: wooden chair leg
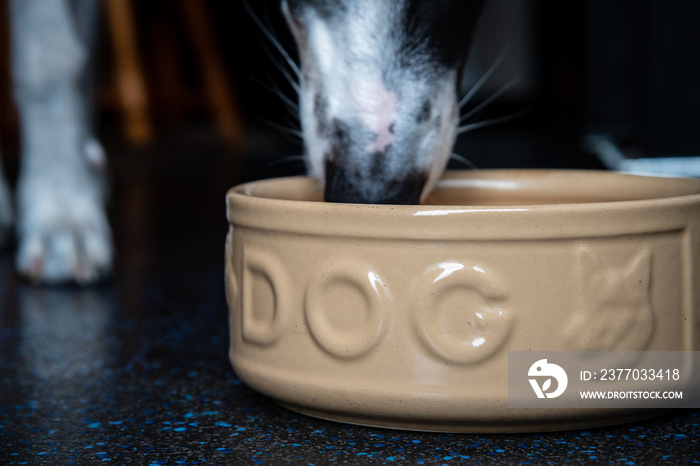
[[222, 98], [131, 85]]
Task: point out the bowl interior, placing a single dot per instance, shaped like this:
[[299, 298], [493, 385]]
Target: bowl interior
[[509, 187]]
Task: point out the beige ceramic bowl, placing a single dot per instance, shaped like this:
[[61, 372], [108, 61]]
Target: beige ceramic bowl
[[403, 316]]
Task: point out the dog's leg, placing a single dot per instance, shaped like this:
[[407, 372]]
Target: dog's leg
[[5, 210], [62, 227]]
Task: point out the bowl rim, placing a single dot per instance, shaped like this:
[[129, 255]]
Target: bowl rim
[[246, 189], [459, 222]]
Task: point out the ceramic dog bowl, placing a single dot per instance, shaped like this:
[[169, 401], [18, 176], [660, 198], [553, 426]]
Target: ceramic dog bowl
[[403, 316]]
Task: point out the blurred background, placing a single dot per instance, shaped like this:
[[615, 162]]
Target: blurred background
[[193, 90], [186, 68]]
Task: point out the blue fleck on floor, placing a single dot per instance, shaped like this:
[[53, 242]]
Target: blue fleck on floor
[[135, 371]]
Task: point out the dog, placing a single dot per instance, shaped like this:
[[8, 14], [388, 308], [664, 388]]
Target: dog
[[378, 105]]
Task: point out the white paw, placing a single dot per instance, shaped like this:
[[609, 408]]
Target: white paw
[[66, 253], [63, 231], [64, 250]]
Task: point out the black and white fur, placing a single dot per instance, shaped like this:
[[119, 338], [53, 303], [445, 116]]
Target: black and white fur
[[379, 92], [379, 86]]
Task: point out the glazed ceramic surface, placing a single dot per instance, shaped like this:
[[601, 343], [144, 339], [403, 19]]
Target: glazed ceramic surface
[[403, 316]]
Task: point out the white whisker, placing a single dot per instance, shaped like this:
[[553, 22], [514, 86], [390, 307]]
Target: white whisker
[[280, 67], [475, 88], [273, 40], [464, 161], [284, 129], [488, 101], [292, 122], [291, 105], [493, 121], [285, 160]]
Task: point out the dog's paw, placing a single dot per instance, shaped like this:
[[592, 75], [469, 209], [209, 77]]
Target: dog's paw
[[79, 253], [63, 232], [75, 248]]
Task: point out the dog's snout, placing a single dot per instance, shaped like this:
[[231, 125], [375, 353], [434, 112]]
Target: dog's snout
[[343, 184], [378, 93]]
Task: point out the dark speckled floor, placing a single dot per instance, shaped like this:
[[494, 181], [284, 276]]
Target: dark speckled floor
[[135, 371]]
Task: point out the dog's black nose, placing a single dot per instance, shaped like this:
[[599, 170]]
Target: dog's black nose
[[350, 186]]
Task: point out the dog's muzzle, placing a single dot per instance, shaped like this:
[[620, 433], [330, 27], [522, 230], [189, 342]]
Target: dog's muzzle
[[346, 185]]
